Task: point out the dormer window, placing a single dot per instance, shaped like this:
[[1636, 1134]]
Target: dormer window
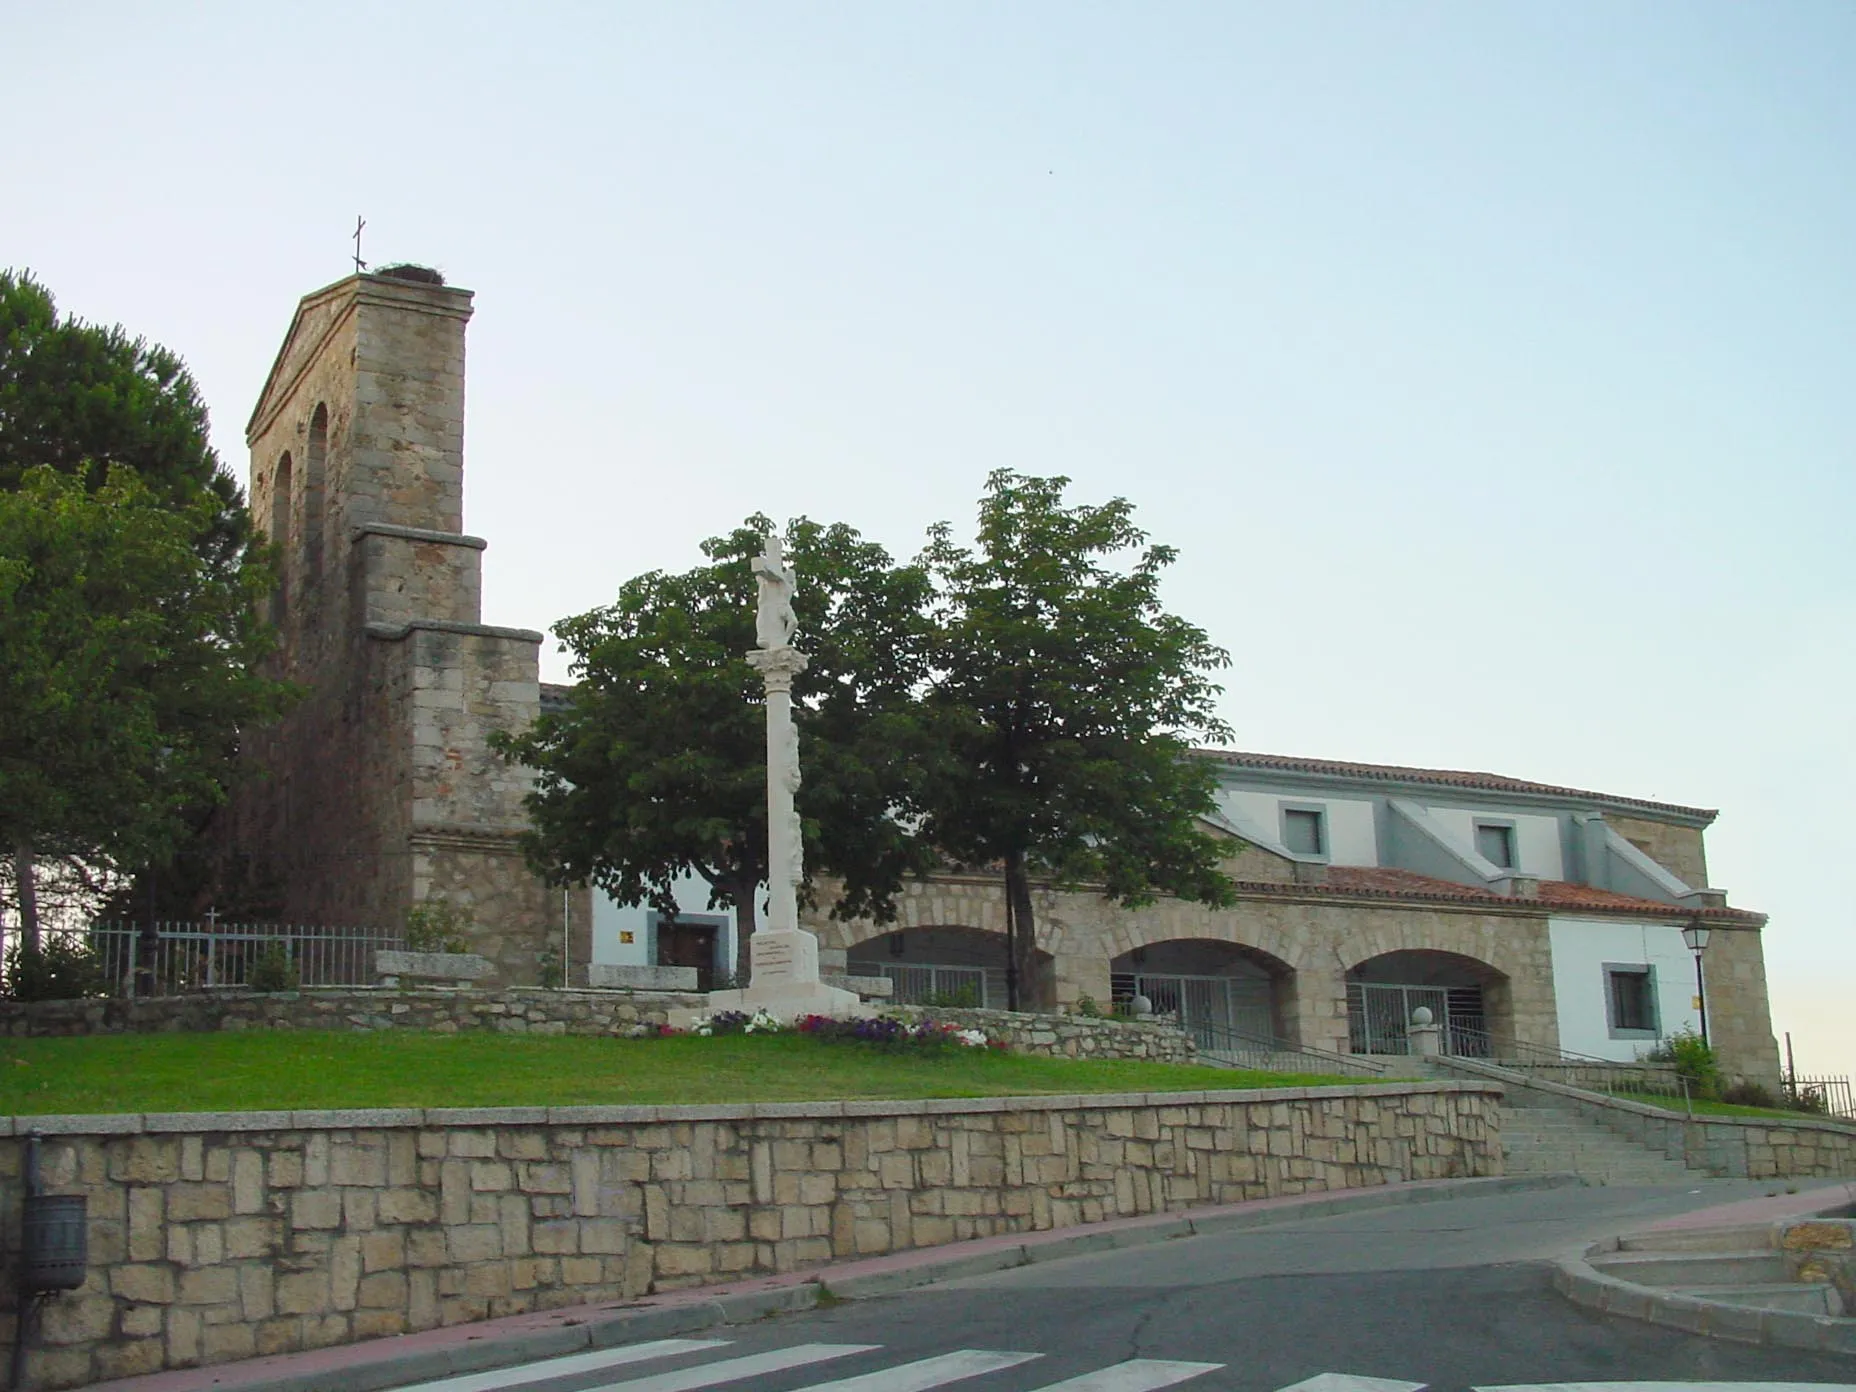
[[1304, 831], [1495, 843]]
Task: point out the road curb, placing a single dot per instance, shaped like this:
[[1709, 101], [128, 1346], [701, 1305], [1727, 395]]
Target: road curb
[[385, 1363], [1586, 1286], [1120, 1234]]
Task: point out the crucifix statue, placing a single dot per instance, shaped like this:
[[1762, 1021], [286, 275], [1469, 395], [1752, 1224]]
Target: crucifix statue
[[778, 662]]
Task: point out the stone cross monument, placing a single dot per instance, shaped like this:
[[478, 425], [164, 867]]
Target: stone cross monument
[[778, 662], [784, 956]]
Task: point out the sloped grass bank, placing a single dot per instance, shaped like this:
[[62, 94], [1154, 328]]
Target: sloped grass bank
[[303, 1070], [1706, 1107]]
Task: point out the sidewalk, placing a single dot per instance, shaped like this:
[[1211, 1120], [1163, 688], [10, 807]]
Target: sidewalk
[[500, 1343]]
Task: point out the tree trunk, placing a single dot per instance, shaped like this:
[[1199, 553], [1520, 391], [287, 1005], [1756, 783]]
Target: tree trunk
[[25, 874], [744, 932], [1021, 985]]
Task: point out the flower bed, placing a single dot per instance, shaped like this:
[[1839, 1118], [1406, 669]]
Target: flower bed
[[882, 1031]]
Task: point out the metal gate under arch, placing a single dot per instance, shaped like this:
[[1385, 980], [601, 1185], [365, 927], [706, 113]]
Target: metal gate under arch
[[1240, 1005], [1378, 1015]]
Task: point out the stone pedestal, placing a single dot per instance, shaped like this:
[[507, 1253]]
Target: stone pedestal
[[1424, 1035], [785, 983]]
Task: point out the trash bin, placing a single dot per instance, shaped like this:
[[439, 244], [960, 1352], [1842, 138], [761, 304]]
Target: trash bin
[[57, 1248]]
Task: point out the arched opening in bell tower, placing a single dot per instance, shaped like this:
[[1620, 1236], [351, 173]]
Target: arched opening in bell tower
[[314, 467], [280, 537]]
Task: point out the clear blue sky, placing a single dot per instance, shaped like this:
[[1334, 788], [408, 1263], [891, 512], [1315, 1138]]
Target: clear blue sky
[[1493, 366]]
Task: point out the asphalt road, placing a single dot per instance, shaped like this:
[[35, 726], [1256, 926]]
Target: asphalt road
[[1447, 1295]]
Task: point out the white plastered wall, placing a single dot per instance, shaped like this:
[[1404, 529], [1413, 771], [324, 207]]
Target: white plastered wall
[[611, 921], [1582, 947], [1352, 838], [1536, 839]]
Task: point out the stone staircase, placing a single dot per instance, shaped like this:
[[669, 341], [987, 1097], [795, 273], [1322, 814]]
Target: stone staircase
[[1542, 1139], [1728, 1266]]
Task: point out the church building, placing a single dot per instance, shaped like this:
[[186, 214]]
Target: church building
[[1522, 914]]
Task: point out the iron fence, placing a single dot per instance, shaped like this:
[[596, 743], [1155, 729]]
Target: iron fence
[[1824, 1096], [140, 959], [948, 987]]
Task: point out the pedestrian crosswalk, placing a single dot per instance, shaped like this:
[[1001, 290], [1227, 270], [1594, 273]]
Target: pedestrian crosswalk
[[589, 1372], [700, 1364]]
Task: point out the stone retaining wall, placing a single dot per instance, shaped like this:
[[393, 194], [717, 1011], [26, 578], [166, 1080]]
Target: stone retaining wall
[[441, 1010], [217, 1237], [446, 1010], [1067, 1036]]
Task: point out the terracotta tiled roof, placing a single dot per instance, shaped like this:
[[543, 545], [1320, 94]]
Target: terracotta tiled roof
[[1380, 882], [1445, 778]]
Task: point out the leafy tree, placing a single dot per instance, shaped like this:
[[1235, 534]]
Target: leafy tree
[[122, 419], [1063, 703], [83, 398], [127, 668], [657, 768]]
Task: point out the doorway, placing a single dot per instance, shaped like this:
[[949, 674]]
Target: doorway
[[687, 944]]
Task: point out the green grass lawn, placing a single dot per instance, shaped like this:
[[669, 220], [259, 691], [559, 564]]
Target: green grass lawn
[[253, 1072], [1704, 1108]]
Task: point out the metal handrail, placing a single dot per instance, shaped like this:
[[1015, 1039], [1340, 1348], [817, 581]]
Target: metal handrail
[[1624, 1081], [1218, 1039], [1520, 1051]]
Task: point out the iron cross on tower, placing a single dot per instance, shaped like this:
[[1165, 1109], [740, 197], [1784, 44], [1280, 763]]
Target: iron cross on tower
[[359, 264]]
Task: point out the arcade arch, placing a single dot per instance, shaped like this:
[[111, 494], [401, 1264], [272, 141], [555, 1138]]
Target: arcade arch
[[1468, 997], [942, 964], [1211, 985]]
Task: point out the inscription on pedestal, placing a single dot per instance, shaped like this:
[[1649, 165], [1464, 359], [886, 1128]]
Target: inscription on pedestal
[[783, 957]]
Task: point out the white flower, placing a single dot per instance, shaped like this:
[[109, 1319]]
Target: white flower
[[972, 1038], [764, 1022]]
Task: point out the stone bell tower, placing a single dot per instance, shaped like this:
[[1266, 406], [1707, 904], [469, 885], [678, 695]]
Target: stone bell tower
[[380, 788]]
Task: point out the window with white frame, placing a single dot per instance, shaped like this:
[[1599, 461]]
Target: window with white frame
[[1304, 831], [1495, 843]]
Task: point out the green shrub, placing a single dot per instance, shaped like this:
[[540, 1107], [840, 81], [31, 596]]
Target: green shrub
[[1747, 1093], [58, 969], [1086, 1006], [960, 998], [272, 970], [1694, 1061], [437, 925], [1805, 1098]]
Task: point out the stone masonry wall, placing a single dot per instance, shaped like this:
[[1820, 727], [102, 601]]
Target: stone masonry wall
[[1312, 941], [1066, 1036], [1678, 849], [441, 1011], [531, 1011], [1739, 1013], [218, 1237]]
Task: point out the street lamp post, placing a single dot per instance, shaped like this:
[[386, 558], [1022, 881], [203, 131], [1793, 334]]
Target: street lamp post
[[1696, 936]]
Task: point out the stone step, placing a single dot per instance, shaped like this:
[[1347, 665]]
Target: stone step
[[1694, 1269], [1573, 1154], [1810, 1297], [1550, 1155], [1543, 1139], [1746, 1237]]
